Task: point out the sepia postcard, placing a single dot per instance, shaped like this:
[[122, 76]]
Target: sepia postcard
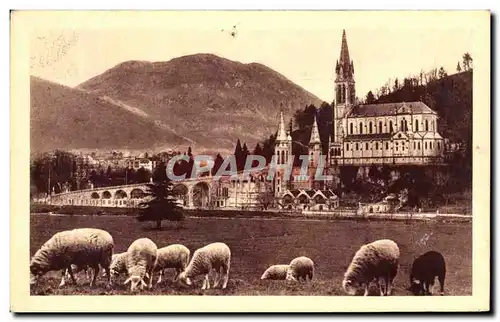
[[290, 161]]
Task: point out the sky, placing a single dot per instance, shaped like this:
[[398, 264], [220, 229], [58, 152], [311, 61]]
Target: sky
[[303, 46]]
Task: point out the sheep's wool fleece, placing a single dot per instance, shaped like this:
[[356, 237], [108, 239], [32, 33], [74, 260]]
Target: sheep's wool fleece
[[300, 266], [141, 257], [371, 261], [118, 263], [173, 256], [212, 256], [83, 246], [275, 272]]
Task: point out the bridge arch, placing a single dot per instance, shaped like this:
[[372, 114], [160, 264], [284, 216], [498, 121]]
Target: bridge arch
[[181, 191], [106, 195], [201, 195], [95, 195], [137, 194], [120, 194]]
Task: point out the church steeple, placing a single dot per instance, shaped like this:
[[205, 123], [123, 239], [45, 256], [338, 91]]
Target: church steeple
[[314, 145], [315, 134], [281, 129]]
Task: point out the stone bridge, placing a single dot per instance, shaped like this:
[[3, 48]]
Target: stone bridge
[[193, 193]]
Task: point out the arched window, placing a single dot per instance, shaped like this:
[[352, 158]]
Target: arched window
[[347, 146], [402, 128], [380, 127], [416, 125], [370, 127], [351, 128], [282, 156], [425, 145], [426, 125], [391, 128], [419, 145], [439, 145], [387, 145], [430, 145], [406, 126], [357, 147], [366, 145], [376, 145], [361, 128]]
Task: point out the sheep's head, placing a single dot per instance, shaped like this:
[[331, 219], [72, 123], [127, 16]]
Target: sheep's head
[[36, 271], [134, 282], [184, 278], [350, 287], [416, 287], [290, 276]]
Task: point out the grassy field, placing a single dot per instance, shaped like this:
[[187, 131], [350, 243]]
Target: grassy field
[[257, 243]]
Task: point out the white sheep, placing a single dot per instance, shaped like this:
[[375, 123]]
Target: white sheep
[[300, 267], [172, 256], [82, 247], [118, 265], [275, 272], [140, 261], [215, 256], [372, 262]]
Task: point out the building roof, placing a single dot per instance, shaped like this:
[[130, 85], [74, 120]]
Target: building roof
[[365, 110], [368, 137]]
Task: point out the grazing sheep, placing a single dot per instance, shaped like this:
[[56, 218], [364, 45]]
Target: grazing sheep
[[379, 259], [83, 246], [140, 261], [424, 271], [300, 267], [275, 272], [215, 256], [118, 265], [172, 256]]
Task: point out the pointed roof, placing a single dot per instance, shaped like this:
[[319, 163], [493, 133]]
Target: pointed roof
[[344, 50], [281, 129], [315, 133], [344, 64]]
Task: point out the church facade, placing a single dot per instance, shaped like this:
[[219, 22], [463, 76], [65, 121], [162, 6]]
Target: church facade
[[403, 133]]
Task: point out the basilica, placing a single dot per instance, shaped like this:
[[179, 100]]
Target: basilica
[[403, 133]]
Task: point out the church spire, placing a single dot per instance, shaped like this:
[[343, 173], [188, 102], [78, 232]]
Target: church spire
[[346, 65], [281, 129], [315, 133]]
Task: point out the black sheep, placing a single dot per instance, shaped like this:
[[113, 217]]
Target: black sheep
[[424, 270]]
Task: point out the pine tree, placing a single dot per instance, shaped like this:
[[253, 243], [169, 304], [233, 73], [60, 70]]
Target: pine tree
[[238, 154], [189, 152], [217, 163], [257, 150], [161, 205], [459, 69], [160, 172]]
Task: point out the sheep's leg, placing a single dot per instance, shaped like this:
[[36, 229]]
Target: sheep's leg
[[108, 275], [366, 289], [379, 286], [63, 282], [226, 275], [71, 274], [441, 284], [218, 277], [206, 283], [160, 275], [178, 271], [95, 271], [150, 284]]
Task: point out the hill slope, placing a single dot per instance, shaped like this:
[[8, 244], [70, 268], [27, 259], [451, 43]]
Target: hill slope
[[67, 118], [211, 100]]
